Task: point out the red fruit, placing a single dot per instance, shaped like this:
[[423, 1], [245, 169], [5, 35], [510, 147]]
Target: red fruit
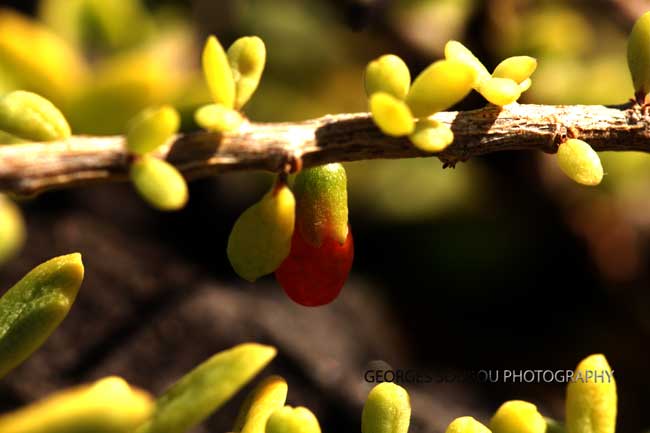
[[314, 276]]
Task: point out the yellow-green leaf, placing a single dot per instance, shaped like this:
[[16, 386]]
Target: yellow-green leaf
[[159, 183], [151, 128], [580, 162], [387, 74], [387, 410], [33, 308], [517, 416], [438, 87], [466, 424], [206, 388], [218, 74], [591, 398], [12, 229], [292, 420], [269, 395], [218, 118], [260, 240], [500, 91], [454, 50], [638, 56], [518, 68], [431, 135], [247, 58], [109, 405], [391, 115], [31, 117], [525, 85]]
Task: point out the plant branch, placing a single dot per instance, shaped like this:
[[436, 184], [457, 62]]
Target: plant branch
[[36, 167]]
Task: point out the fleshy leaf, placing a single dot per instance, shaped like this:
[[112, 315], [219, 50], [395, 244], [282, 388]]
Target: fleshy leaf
[[591, 398], [247, 57], [517, 416], [31, 117], [638, 56], [218, 118], [261, 237], [12, 229], [466, 424], [525, 85], [387, 410], [159, 183], [580, 162], [292, 420], [500, 91], [206, 388], [438, 87], [431, 135], [387, 74], [218, 74], [109, 405], [151, 128], [391, 115], [518, 68], [269, 395], [322, 197], [454, 50], [33, 308]]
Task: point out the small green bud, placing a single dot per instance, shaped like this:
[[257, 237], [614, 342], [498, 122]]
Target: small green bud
[[292, 420], [269, 395], [322, 196], [591, 398], [33, 308], [500, 91], [151, 128], [525, 85], [218, 118], [431, 135], [638, 56], [159, 183], [466, 424], [109, 405], [580, 162], [12, 229], [218, 74], [206, 388], [438, 87], [387, 74], [391, 115], [517, 416], [29, 116], [518, 68], [553, 426], [454, 50], [387, 410], [247, 58], [260, 240]]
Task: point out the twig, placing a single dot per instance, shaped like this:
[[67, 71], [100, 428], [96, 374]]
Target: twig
[[36, 167]]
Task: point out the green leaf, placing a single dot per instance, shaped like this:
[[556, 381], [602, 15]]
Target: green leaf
[[292, 420], [638, 56], [159, 183], [500, 91], [591, 401], [518, 68], [33, 308], [206, 388], [454, 50], [247, 57], [438, 87], [580, 162], [387, 410], [322, 197], [517, 416], [218, 118], [269, 395], [431, 135], [387, 74], [466, 424], [12, 229], [218, 74], [151, 128], [260, 240], [6, 138], [29, 116], [109, 405], [391, 115]]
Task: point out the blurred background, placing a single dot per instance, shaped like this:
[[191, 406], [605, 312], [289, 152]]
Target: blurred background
[[500, 263]]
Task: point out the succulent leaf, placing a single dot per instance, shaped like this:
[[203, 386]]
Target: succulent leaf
[[387, 74]]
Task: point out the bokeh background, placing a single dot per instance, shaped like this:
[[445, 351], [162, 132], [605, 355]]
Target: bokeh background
[[500, 263]]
